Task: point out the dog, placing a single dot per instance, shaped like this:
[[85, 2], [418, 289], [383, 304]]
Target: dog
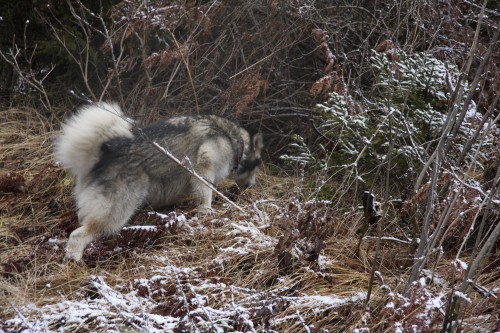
[[117, 168]]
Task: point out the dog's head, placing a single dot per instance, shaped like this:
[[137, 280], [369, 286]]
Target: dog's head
[[250, 159]]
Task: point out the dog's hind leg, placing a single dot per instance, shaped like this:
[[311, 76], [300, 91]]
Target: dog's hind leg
[[78, 239], [102, 215]]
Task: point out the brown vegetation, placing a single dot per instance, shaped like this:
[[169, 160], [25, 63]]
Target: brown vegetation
[[283, 259], [304, 256]]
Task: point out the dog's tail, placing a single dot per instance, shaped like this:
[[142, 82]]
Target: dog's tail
[[78, 148]]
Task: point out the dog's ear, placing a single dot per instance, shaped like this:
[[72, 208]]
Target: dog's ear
[[258, 142]]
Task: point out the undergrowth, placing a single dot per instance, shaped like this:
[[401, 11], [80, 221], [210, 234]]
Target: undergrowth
[[288, 264], [380, 216]]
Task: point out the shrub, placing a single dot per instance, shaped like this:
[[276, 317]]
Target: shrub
[[406, 109]]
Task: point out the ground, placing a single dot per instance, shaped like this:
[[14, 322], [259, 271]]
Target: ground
[[288, 264]]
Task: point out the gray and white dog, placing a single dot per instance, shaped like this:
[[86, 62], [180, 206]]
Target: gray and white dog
[[117, 168]]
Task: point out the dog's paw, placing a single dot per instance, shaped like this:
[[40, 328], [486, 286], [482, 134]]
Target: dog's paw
[[74, 252], [73, 256], [201, 211]]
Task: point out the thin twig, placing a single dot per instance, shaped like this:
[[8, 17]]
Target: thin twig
[[389, 239], [192, 172]]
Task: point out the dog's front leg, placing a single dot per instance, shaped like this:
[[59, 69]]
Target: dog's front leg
[[205, 206], [206, 169], [203, 194]]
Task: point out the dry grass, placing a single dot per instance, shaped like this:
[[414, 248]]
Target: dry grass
[[260, 271]]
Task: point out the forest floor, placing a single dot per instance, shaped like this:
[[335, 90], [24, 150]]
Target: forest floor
[[288, 264]]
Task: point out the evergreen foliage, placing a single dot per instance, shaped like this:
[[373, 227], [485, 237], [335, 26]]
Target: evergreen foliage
[[406, 108]]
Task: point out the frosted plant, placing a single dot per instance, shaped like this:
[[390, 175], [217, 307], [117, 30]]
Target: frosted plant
[[406, 107]]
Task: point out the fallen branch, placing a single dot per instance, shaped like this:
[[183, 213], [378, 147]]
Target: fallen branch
[[388, 239]]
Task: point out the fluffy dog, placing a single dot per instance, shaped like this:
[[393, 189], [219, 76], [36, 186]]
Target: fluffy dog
[[117, 168]]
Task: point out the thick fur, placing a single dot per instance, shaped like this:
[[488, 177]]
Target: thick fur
[[117, 169]]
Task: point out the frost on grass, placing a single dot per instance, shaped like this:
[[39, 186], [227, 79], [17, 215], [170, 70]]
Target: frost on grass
[[106, 308], [178, 297], [287, 265], [233, 289]]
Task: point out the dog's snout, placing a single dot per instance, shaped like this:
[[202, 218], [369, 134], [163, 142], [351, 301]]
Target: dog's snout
[[246, 183]]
